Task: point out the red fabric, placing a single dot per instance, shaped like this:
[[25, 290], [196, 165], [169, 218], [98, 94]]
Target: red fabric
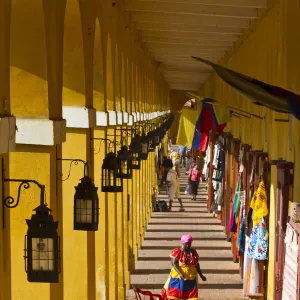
[[205, 125], [189, 259], [183, 295]]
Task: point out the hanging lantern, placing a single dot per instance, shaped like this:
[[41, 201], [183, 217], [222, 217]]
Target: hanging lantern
[[125, 160], [135, 149], [151, 141], [156, 137], [144, 148], [111, 181], [42, 247], [86, 205]]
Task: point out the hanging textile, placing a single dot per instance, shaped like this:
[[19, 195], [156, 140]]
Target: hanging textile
[[218, 174], [212, 116], [186, 128], [235, 208], [241, 227], [290, 276], [249, 215], [258, 242]]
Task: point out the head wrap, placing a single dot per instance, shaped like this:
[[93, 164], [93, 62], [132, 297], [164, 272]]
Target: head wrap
[[186, 238]]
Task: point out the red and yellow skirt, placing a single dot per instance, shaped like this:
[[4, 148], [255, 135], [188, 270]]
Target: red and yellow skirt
[[177, 289]]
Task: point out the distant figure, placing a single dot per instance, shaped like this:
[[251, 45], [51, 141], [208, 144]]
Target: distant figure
[[182, 152], [195, 177], [188, 158], [174, 187]]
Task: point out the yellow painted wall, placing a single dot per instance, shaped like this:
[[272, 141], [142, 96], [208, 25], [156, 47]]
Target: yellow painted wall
[[90, 56], [75, 246], [28, 163], [268, 53]]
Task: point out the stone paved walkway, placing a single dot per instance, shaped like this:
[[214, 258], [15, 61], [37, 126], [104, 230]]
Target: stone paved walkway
[[163, 234]]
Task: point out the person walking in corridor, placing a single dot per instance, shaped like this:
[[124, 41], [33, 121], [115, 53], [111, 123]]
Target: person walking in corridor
[[182, 283], [194, 180], [173, 183], [182, 152]]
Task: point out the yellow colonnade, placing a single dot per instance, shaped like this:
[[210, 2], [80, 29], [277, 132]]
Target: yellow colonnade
[[89, 60]]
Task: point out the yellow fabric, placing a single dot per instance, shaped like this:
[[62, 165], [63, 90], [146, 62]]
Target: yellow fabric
[[188, 272], [222, 113], [259, 203], [187, 125]]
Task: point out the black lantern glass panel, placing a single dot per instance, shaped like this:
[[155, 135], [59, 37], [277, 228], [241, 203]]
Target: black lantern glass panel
[[136, 161], [111, 180], [42, 247], [151, 141], [86, 205], [144, 148], [125, 160], [135, 148]]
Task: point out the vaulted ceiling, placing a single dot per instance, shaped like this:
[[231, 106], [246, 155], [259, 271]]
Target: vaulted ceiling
[[175, 30]]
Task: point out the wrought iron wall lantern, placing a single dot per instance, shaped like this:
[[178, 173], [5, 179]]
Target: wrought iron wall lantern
[[111, 177], [135, 149], [42, 243], [144, 147], [125, 160], [86, 201], [151, 141]]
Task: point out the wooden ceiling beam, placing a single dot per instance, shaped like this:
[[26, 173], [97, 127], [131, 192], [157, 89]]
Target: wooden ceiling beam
[[185, 88], [165, 27], [236, 3], [188, 35], [186, 41], [186, 19], [190, 9], [190, 52]]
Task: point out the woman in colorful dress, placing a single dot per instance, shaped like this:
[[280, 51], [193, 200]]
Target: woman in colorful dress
[[182, 283]]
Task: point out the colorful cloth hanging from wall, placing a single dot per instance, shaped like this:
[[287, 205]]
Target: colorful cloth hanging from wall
[[212, 116], [272, 97], [186, 128], [258, 242], [256, 245], [290, 277]]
